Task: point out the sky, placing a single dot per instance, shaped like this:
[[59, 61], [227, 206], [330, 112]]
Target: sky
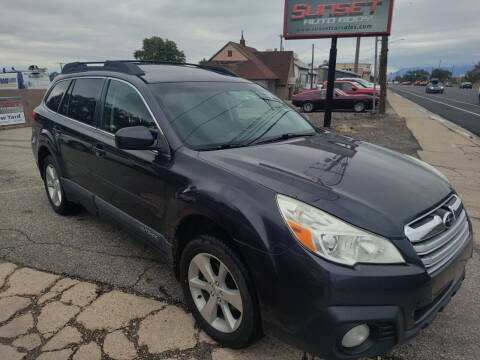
[[425, 33]]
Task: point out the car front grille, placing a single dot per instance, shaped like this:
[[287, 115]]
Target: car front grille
[[439, 235]]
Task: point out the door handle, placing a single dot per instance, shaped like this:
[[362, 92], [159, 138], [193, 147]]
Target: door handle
[[99, 150]]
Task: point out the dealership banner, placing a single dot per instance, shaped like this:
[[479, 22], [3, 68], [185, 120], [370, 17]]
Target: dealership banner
[[11, 111], [9, 81], [336, 18]]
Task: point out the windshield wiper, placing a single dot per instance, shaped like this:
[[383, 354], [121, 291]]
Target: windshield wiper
[[222, 146], [281, 137]]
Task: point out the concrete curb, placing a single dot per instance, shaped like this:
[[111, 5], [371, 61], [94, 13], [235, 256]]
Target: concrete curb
[[447, 123]]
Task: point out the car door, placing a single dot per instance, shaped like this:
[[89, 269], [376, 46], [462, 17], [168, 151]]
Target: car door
[[340, 101], [318, 97], [130, 184], [74, 133]]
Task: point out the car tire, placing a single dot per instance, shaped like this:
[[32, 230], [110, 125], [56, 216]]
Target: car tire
[[308, 107], [54, 189], [208, 255], [359, 107]]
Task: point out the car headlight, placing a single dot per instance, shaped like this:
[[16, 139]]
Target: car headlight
[[333, 239], [429, 167]]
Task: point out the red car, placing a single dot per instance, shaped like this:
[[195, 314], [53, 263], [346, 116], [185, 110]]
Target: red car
[[406, 83], [315, 100], [352, 88], [301, 91]]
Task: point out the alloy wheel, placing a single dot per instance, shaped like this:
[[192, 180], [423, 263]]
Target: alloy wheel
[[215, 292], [308, 107], [53, 185], [359, 107]]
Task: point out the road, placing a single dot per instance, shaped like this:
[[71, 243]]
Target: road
[[460, 106], [89, 248]]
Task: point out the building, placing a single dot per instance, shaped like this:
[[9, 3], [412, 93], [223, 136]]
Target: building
[[303, 74], [322, 72], [273, 70], [364, 70]]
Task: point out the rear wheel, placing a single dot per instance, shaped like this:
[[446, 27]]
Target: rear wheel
[[54, 189], [359, 107], [307, 107], [218, 291]]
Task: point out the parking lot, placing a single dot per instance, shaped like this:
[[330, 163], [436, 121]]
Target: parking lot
[[91, 249]]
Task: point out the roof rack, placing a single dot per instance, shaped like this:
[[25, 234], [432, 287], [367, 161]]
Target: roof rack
[[131, 66], [118, 66]]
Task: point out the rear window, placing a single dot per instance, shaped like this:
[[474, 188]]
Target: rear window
[[56, 95], [83, 100]]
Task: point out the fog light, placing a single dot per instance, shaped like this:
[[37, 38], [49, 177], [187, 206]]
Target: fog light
[[356, 336]]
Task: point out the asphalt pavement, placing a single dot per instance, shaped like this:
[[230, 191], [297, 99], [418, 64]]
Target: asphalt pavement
[[460, 106]]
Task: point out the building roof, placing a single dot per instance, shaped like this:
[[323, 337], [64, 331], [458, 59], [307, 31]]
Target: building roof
[[279, 62], [261, 65]]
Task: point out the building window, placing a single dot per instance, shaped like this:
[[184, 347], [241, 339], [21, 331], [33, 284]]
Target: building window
[[230, 53]]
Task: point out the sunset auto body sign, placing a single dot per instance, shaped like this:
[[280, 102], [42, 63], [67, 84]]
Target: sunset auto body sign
[[11, 111], [336, 18]]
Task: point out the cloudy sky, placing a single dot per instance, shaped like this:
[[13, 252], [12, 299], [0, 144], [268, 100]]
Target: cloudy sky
[[424, 32]]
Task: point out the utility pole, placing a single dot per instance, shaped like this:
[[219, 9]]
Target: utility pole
[[357, 54], [61, 66], [281, 42], [311, 75], [382, 78], [332, 63], [374, 93]]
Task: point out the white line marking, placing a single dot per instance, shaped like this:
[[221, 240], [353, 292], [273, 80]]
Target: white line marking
[[455, 107], [461, 102]]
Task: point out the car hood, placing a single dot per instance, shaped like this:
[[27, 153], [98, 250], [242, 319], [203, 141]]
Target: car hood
[[366, 185]]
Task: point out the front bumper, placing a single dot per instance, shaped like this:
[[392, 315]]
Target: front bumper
[[396, 301]]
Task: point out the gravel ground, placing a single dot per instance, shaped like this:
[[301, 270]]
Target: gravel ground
[[387, 130]]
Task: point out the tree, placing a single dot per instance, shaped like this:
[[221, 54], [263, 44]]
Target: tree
[[441, 74], [415, 75], [474, 74], [157, 49], [203, 61]]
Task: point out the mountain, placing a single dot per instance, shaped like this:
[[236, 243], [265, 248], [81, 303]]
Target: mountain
[[457, 70]]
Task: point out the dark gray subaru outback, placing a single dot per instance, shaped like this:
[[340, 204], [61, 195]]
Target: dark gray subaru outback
[[340, 247]]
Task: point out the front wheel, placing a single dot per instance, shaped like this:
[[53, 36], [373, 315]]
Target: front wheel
[[307, 107], [359, 107], [219, 292]]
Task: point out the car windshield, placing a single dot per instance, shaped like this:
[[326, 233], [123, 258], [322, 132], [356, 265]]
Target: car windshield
[[213, 115]]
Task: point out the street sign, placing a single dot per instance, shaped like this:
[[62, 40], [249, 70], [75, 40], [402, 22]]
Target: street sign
[[307, 19]]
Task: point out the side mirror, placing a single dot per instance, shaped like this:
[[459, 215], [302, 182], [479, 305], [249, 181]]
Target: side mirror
[[354, 88], [134, 138]]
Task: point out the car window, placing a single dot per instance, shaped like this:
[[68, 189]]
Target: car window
[[347, 86], [55, 96], [207, 115], [66, 100], [83, 99], [124, 108]]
